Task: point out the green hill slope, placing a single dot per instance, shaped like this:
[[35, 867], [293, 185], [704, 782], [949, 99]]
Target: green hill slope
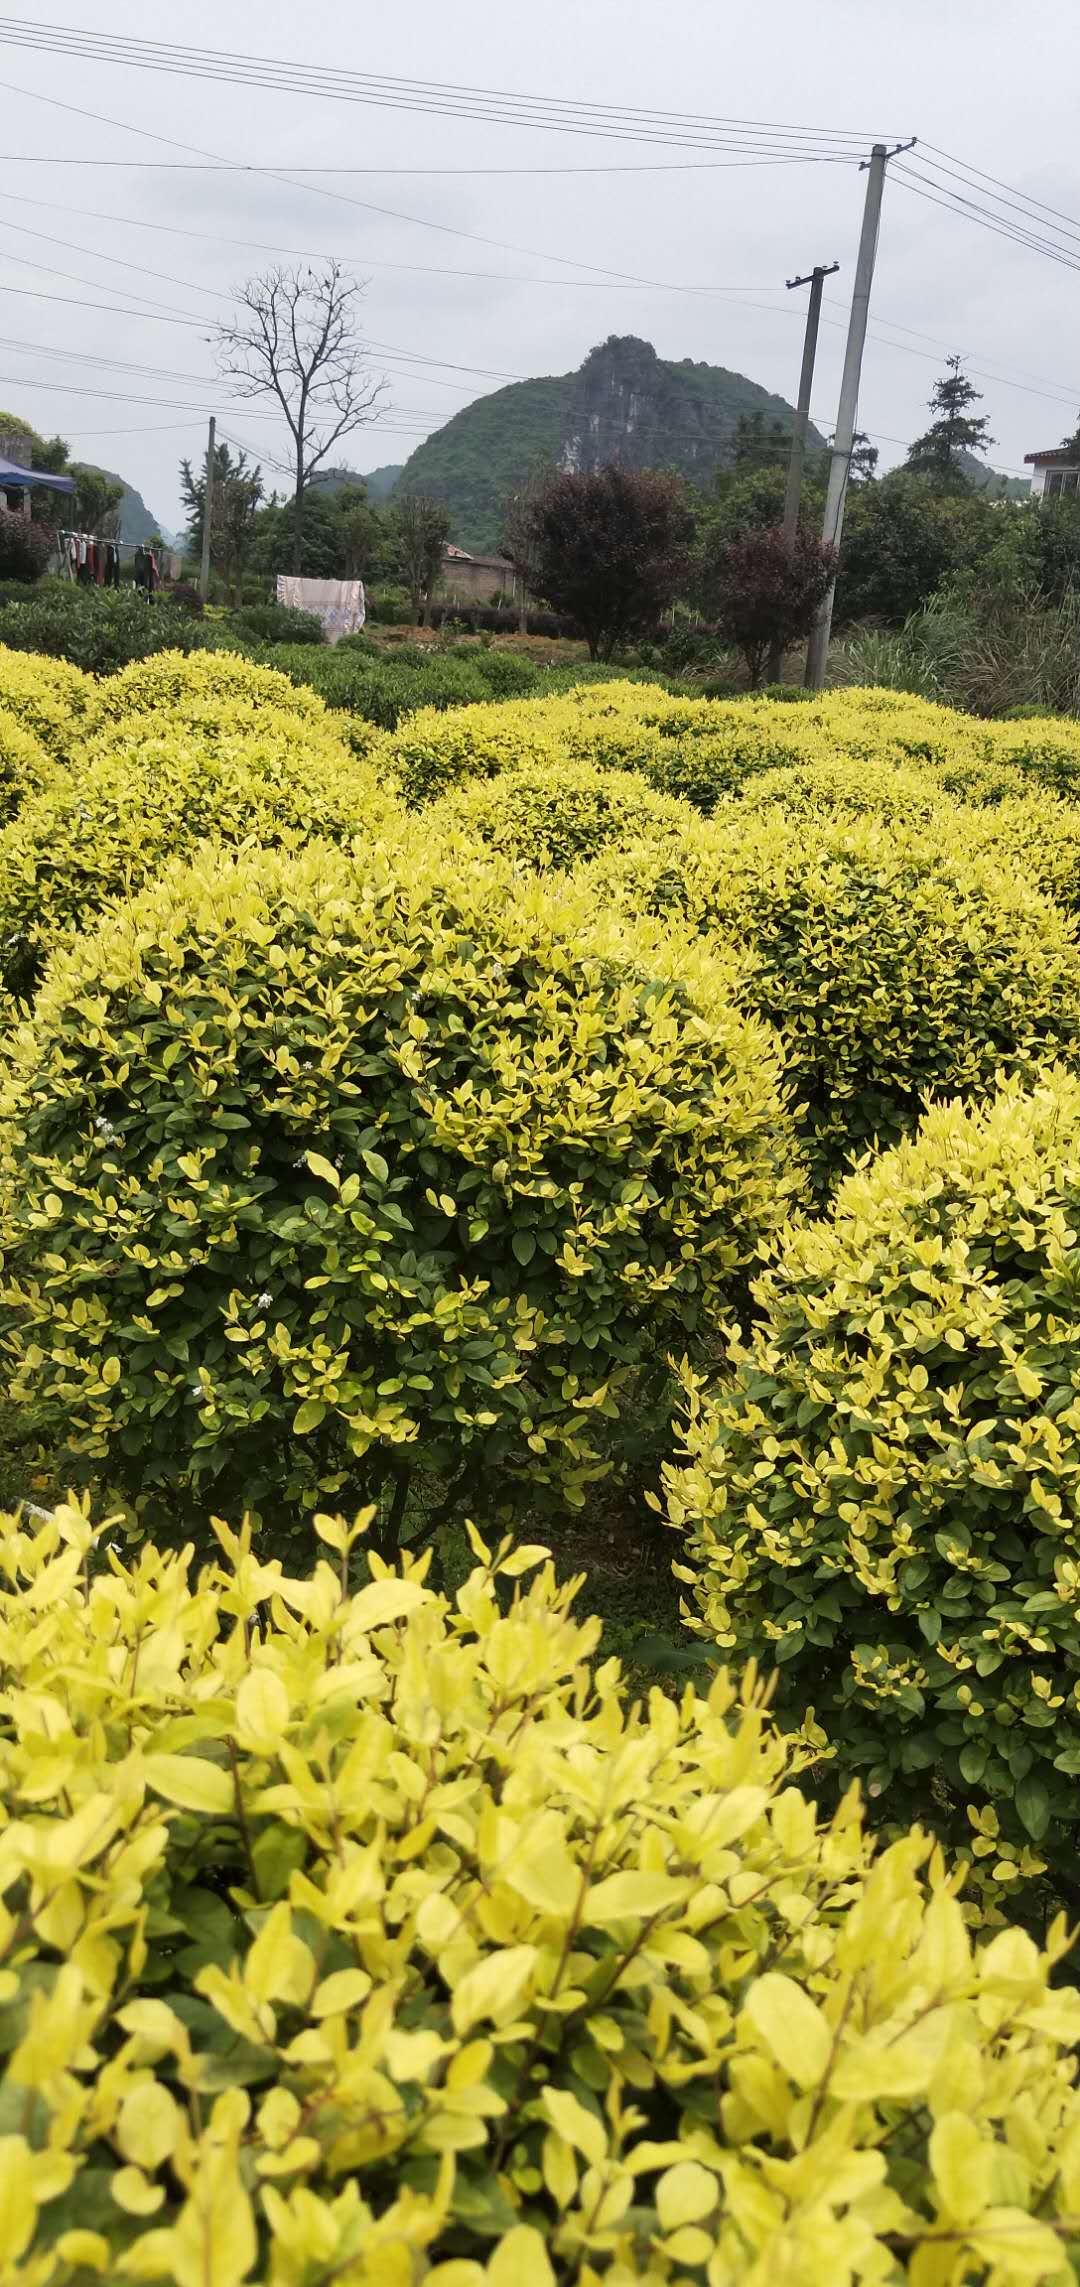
[[624, 404]]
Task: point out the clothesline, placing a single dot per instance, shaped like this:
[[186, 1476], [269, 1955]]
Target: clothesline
[[91, 562]]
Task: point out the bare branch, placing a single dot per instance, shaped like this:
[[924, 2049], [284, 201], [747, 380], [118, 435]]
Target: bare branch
[[295, 339]]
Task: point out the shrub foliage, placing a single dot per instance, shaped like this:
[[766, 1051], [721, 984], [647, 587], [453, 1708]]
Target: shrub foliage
[[318, 1170], [882, 1496], [373, 1938]]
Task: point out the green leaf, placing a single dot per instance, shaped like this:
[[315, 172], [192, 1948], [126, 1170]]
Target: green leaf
[[524, 1246], [308, 1416], [1033, 1806]]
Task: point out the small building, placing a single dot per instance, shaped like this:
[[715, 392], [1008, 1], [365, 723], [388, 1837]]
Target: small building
[[475, 579], [1057, 471]]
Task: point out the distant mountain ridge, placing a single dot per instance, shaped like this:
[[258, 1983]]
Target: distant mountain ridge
[[135, 520], [624, 404]]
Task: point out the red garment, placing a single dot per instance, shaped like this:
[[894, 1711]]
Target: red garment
[[99, 563]]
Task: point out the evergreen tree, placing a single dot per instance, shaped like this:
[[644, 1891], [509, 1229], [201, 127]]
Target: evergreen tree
[[939, 452]]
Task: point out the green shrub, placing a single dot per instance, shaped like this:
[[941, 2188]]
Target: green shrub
[[558, 814], [883, 1495], [48, 698], [98, 631], [278, 623], [895, 964], [101, 831], [321, 1174], [373, 1938]]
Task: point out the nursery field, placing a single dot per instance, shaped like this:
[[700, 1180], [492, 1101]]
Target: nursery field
[[431, 1149]]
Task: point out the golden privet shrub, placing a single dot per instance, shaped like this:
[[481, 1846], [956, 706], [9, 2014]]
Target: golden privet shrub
[[558, 814], [365, 1936], [895, 963], [844, 788], [199, 687], [102, 830], [1040, 834], [321, 1170], [882, 1495], [47, 697], [24, 766]]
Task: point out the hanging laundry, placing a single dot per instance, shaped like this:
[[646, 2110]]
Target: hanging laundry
[[339, 604]]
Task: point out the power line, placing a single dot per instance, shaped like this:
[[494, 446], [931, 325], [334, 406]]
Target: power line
[[502, 106], [998, 198], [365, 261], [253, 167], [988, 221], [996, 179], [341, 198]]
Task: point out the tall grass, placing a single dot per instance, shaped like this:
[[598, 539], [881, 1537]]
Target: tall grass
[[989, 656]]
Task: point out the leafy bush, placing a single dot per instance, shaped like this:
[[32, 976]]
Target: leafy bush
[[24, 766], [844, 789], [883, 1495], [1040, 835], [279, 623], [893, 963], [557, 814], [98, 630], [468, 1970], [201, 690], [102, 830], [186, 596], [1046, 751], [25, 547], [323, 1174], [762, 590], [48, 698]]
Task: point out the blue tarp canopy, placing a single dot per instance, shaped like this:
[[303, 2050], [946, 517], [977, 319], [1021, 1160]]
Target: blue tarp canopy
[[15, 477]]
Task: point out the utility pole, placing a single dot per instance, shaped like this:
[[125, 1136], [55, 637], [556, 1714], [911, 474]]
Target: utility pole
[[208, 509], [793, 493], [844, 435]]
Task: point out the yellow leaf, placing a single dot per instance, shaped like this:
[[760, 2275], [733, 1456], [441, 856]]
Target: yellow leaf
[[792, 2027], [83, 2250], [324, 1169], [685, 2194], [495, 1989], [134, 2192], [634, 1897], [343, 1989], [150, 2125], [576, 2125], [279, 1966], [962, 2166], [382, 1601], [191, 1782], [520, 2260], [262, 1710]]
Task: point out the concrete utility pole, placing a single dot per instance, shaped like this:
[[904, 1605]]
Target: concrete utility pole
[[844, 436], [208, 509], [793, 494]]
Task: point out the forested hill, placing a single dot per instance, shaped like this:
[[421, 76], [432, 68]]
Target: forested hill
[[624, 404]]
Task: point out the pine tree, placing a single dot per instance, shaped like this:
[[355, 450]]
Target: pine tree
[[956, 431]]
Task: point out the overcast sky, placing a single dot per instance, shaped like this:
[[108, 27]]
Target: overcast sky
[[986, 79]]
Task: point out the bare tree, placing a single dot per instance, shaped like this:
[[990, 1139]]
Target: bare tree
[[295, 338]]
